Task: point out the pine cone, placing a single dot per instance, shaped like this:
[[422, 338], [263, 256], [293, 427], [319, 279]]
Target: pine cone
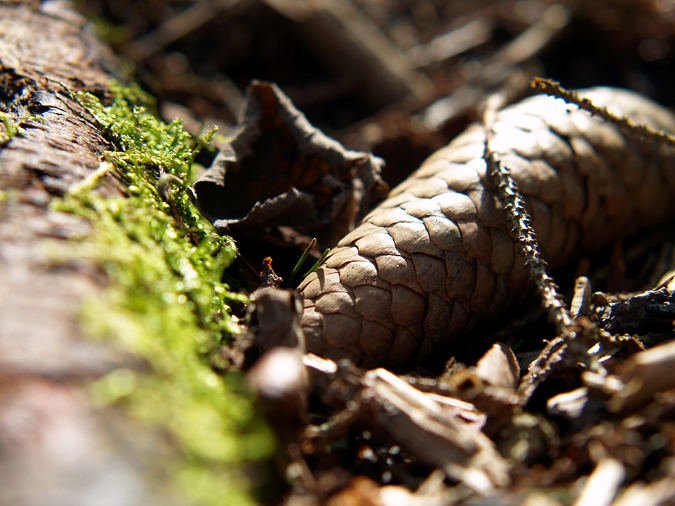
[[436, 257]]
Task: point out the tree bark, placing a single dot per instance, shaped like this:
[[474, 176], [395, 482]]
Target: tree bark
[[50, 434]]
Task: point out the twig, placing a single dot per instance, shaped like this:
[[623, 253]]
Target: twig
[[177, 27], [554, 88], [573, 336], [602, 485], [504, 71], [451, 44], [526, 241]]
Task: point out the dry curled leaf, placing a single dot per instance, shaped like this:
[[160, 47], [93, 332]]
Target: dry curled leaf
[[281, 170], [436, 258]]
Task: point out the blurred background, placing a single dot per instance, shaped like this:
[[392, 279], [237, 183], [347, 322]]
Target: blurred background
[[398, 78]]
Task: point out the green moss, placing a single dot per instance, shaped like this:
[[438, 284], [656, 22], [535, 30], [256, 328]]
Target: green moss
[[166, 302], [9, 127]]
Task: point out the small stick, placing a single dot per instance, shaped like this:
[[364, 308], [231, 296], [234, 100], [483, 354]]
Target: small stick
[[526, 239], [554, 88]]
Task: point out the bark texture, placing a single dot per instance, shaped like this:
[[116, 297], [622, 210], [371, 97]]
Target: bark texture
[[45, 53], [436, 257], [50, 433]]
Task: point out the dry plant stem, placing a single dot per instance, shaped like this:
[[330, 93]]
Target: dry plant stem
[[554, 88], [526, 241], [553, 353]]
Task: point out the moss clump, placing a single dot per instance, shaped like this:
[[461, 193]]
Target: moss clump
[[9, 127], [166, 301]]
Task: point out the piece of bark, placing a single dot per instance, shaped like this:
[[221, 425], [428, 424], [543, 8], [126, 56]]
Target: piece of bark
[[643, 375], [499, 368], [46, 52], [436, 258], [57, 447], [603, 483], [439, 430], [652, 311]]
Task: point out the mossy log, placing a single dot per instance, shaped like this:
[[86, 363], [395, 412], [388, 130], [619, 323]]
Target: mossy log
[[57, 446]]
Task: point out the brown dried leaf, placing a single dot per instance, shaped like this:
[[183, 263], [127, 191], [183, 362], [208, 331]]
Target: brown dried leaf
[[281, 170]]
